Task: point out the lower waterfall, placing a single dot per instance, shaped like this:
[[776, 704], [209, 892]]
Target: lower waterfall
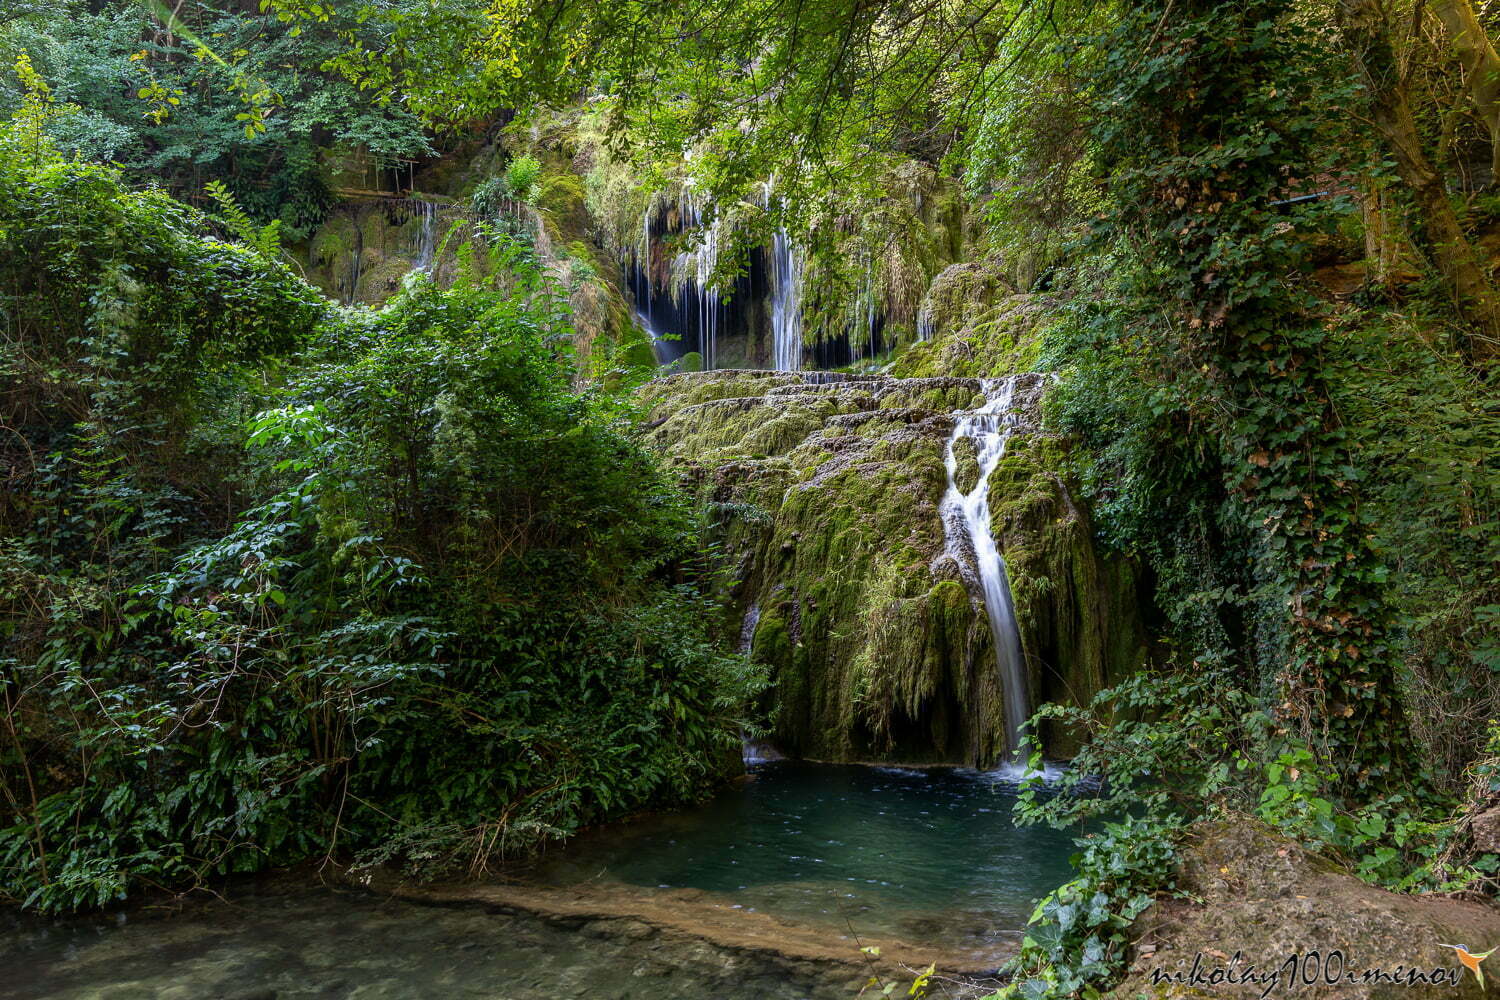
[[966, 525]]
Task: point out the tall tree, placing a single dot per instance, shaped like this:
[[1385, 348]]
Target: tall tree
[[1367, 33], [1207, 112], [1481, 66]]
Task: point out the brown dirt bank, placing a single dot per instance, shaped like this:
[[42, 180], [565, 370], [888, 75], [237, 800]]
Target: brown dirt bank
[[1262, 897]]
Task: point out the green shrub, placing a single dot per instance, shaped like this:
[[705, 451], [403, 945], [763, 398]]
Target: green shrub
[[280, 581]]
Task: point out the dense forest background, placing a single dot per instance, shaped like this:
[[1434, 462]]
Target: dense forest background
[[283, 579]]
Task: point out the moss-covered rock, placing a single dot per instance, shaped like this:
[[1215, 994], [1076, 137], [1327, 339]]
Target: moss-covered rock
[[365, 248], [362, 251], [974, 326], [825, 493], [1078, 612]]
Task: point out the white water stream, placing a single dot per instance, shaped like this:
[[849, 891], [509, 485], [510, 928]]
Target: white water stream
[[786, 303], [696, 266], [966, 525], [427, 235]]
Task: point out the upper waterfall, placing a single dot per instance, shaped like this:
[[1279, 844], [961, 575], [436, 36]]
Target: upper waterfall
[[966, 519], [697, 266], [426, 235], [786, 303]]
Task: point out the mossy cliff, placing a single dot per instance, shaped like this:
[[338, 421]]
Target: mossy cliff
[[625, 238], [823, 491], [369, 243], [974, 325]]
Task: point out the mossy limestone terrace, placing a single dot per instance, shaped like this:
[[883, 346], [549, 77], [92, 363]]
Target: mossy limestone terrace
[[823, 491]]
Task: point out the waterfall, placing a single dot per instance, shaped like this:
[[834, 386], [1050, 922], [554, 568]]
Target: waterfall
[[645, 251], [753, 751], [785, 280], [696, 267], [644, 319], [924, 321], [786, 303], [354, 272], [966, 525], [427, 235], [747, 627], [692, 270]]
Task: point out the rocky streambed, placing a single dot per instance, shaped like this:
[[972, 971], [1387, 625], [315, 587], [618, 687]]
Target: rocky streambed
[[283, 941]]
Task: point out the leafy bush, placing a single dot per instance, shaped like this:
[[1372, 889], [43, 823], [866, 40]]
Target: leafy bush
[[521, 177], [519, 183], [279, 580], [1166, 750]]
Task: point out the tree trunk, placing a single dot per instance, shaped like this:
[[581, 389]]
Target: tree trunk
[[1438, 233], [1481, 66], [1383, 235]]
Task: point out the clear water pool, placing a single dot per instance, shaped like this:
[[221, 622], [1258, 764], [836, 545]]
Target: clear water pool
[[928, 857]]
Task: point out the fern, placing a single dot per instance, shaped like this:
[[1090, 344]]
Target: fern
[[264, 240]]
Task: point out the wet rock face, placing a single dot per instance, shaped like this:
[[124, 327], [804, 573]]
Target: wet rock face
[[825, 490], [364, 249], [1262, 897]]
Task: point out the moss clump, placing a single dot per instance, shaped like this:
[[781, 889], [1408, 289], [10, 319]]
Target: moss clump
[[560, 197], [1080, 612], [982, 338]]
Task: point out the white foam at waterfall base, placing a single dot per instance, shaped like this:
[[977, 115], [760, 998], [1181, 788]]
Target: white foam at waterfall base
[[966, 525], [1016, 772]]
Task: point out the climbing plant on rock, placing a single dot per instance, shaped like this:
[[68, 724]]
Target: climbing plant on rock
[[1208, 124]]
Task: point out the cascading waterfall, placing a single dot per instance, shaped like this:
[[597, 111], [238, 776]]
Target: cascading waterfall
[[785, 280], [355, 271], [747, 627], [864, 312], [644, 296], [644, 319], [694, 270], [696, 267], [427, 235], [925, 325], [966, 526], [753, 751], [786, 303]]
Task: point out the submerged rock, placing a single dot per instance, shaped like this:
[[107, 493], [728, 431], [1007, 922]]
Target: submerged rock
[[293, 941], [825, 492]]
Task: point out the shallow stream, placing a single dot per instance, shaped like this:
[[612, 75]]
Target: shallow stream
[[847, 855]]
